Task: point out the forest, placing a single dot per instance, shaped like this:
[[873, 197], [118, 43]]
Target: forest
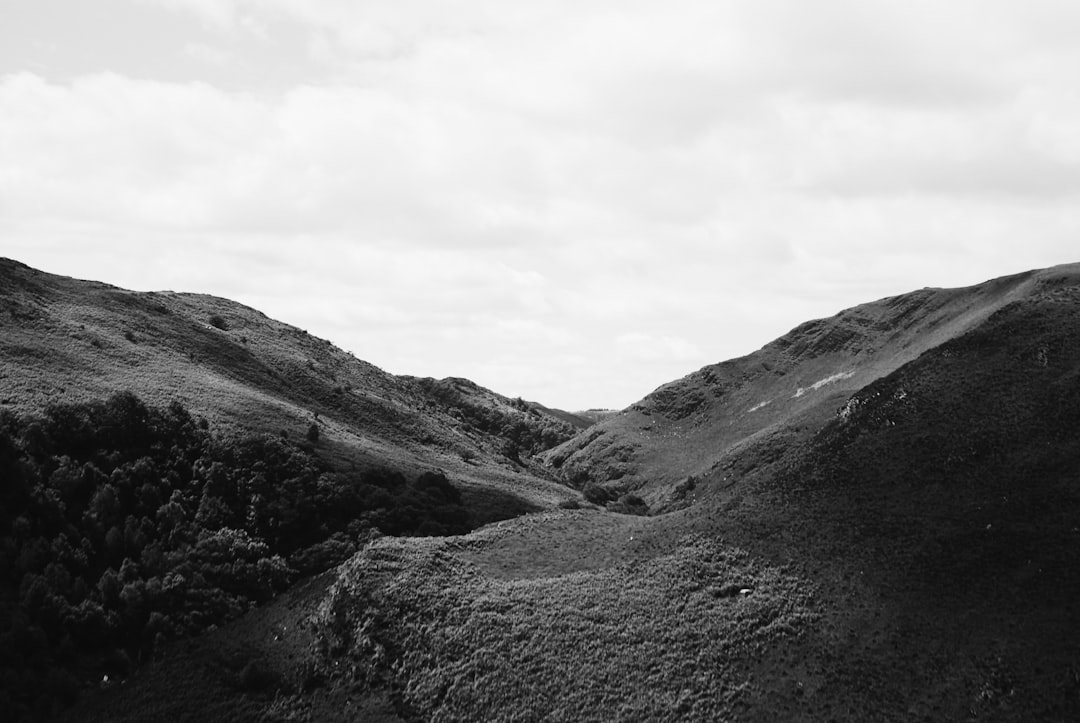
[[123, 526]]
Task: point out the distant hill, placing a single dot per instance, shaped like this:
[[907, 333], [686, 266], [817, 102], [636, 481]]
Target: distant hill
[[596, 415]]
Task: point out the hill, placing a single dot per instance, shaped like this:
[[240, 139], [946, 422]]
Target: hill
[[687, 427], [169, 460], [874, 517], [67, 340]]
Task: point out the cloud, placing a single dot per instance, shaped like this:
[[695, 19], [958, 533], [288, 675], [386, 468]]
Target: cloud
[[1009, 173], [207, 53], [646, 347], [220, 14], [523, 193]]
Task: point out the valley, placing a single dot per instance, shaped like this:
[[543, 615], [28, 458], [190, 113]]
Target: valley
[[874, 517]]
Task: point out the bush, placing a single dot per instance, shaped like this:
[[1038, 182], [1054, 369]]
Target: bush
[[598, 494], [630, 505], [217, 321], [323, 555]]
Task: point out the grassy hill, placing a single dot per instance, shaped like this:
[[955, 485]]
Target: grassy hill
[[66, 340], [875, 517], [169, 460], [688, 427]]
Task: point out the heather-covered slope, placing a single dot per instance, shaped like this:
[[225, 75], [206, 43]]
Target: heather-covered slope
[[66, 340]]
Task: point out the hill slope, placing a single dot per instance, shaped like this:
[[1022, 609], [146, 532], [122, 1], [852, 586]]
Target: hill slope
[[66, 340], [687, 427], [908, 545], [875, 517]]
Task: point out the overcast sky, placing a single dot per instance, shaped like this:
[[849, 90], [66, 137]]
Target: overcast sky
[[573, 201]]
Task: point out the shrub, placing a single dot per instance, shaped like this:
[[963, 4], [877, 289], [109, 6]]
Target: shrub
[[323, 555], [687, 485], [218, 321], [630, 505], [598, 494]]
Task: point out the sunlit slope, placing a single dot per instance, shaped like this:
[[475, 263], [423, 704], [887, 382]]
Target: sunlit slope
[[687, 426], [66, 340]]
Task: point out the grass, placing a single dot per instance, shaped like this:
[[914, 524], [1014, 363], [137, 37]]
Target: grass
[[642, 640], [688, 425]]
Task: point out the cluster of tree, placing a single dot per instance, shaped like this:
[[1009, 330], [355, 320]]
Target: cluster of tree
[[122, 526]]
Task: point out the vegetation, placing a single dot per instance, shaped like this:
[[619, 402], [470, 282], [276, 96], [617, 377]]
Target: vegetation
[[666, 638], [914, 458], [525, 431], [122, 526], [630, 504]]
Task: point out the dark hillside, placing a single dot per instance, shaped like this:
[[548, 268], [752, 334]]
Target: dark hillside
[[977, 445], [940, 511]]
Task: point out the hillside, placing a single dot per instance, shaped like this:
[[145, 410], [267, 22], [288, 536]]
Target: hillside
[[896, 541], [67, 340], [170, 460], [874, 517], [687, 427]]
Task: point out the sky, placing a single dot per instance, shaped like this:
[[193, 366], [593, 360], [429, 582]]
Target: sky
[[572, 201]]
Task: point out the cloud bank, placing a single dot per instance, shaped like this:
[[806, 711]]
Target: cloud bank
[[572, 202]]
